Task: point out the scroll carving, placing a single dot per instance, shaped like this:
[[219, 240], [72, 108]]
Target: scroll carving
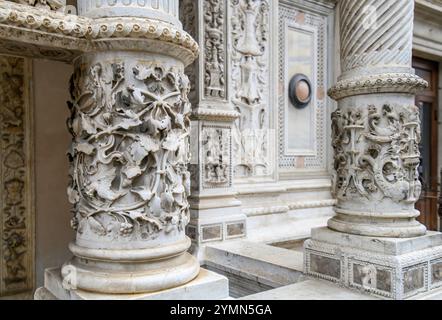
[[16, 211], [129, 155], [376, 153]]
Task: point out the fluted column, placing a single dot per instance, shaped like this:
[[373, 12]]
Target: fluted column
[[376, 128], [128, 160]]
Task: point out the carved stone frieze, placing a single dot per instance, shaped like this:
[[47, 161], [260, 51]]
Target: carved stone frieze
[[130, 131], [16, 211]]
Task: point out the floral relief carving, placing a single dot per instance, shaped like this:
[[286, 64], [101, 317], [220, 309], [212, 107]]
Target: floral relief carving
[[15, 216], [250, 81], [129, 154], [376, 153]]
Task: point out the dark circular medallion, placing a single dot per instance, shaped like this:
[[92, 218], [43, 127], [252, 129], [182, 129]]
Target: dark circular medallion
[[300, 91]]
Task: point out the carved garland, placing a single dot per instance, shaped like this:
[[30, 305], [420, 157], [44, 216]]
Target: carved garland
[[129, 154]]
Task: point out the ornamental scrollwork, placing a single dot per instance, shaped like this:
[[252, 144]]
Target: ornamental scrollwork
[[376, 153], [130, 150]]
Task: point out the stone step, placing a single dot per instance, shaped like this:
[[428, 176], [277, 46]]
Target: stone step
[[254, 267], [310, 290]]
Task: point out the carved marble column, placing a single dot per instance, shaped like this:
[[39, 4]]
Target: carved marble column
[[376, 128], [128, 159], [374, 242]]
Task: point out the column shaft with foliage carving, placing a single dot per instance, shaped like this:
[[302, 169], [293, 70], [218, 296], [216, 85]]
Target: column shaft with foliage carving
[[376, 128], [128, 161]]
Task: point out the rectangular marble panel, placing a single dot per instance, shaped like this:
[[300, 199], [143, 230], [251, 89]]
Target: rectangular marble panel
[[325, 266], [414, 279], [436, 273], [300, 122], [212, 232], [235, 230], [370, 276]]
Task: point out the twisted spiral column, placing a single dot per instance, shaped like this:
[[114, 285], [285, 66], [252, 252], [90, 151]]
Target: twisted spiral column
[[376, 128]]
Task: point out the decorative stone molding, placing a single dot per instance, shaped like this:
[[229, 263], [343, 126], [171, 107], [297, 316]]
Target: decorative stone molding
[[59, 31], [16, 172], [384, 83]]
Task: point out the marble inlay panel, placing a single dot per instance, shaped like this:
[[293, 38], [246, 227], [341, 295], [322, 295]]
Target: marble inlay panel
[[235, 229], [325, 265], [414, 279], [212, 233]]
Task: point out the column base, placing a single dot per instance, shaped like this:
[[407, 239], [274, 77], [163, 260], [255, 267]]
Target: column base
[[206, 286], [386, 267]]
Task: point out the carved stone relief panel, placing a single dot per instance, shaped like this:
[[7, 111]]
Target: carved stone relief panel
[[214, 65], [250, 63], [302, 49], [16, 192], [216, 156]]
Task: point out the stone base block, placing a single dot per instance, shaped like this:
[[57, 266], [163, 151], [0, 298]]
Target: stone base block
[[206, 286], [385, 267]]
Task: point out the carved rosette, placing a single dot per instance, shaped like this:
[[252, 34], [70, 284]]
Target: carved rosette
[[16, 214], [376, 128]]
